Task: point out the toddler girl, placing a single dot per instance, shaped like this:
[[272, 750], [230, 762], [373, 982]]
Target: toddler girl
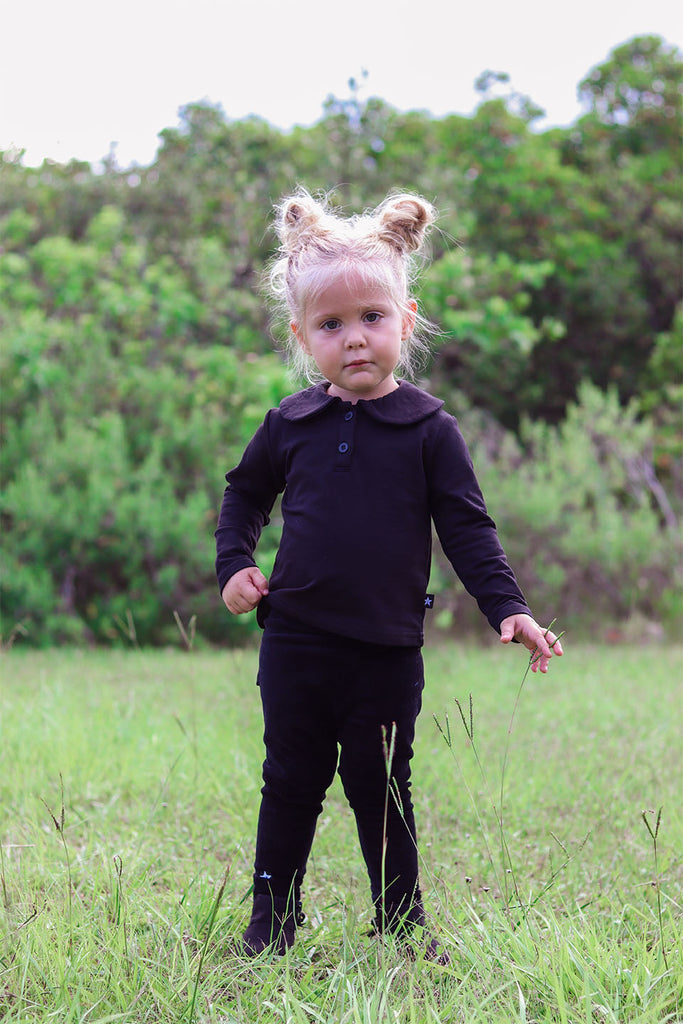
[[365, 463]]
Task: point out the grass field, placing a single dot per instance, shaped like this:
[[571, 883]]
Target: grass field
[[128, 904]]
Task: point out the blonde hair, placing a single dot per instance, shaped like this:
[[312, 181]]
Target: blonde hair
[[380, 248]]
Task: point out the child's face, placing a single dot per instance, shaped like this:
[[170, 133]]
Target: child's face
[[353, 331]]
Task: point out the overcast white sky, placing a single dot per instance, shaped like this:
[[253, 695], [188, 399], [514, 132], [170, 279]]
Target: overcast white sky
[[79, 75]]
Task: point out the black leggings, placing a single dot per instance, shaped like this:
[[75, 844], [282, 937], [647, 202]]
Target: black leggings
[[331, 702]]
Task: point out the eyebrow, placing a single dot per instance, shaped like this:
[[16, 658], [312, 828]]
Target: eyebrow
[[369, 307]]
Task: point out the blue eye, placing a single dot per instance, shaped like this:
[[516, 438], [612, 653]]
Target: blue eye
[[330, 325], [372, 318]]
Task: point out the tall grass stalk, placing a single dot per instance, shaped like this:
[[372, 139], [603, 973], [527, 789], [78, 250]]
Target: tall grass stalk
[[389, 747], [506, 860], [188, 638], [127, 628], [119, 918], [209, 930], [5, 897], [505, 851], [445, 731], [653, 835], [59, 826], [498, 809], [188, 635]]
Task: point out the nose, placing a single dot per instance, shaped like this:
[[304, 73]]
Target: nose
[[354, 336]]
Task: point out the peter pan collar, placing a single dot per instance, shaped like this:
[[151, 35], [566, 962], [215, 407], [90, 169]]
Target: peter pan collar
[[406, 404]]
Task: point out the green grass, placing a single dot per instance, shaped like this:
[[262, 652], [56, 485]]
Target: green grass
[[132, 910]]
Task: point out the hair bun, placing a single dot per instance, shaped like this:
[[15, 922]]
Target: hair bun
[[403, 221], [300, 218]]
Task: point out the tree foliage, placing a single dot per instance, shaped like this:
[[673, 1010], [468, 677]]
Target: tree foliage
[[136, 356]]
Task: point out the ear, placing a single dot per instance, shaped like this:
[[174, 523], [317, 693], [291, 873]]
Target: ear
[[408, 320], [299, 335]]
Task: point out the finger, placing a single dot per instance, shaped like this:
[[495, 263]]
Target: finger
[[251, 595], [554, 641], [554, 644], [544, 661], [543, 644], [539, 658], [543, 651], [240, 599], [259, 582]]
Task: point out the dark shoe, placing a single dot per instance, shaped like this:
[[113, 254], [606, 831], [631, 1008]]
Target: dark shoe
[[410, 932], [273, 925], [429, 949], [399, 919]]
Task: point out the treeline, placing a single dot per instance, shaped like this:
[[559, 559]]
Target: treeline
[[137, 357]]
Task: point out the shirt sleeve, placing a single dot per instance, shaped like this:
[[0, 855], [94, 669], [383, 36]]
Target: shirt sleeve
[[467, 533], [252, 488]]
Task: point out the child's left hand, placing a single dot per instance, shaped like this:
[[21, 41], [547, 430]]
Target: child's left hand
[[541, 642]]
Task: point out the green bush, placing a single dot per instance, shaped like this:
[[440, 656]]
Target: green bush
[[584, 521], [114, 475]]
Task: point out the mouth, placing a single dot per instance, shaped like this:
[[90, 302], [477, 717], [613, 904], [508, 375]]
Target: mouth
[[358, 362]]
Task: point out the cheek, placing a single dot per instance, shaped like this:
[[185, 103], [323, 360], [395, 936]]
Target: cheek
[[301, 338]]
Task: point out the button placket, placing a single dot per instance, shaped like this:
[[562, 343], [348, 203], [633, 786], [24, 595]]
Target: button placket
[[345, 439]]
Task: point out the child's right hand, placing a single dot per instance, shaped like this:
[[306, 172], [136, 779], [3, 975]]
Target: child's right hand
[[244, 590]]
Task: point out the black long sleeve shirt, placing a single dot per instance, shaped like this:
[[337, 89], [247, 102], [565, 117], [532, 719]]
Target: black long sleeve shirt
[[361, 485]]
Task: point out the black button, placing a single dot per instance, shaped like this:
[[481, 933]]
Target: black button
[[343, 447], [349, 416]]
